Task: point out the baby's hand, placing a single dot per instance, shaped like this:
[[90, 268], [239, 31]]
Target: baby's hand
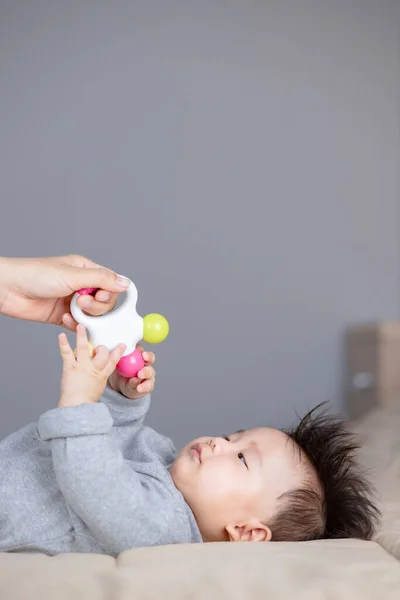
[[136, 387], [84, 378]]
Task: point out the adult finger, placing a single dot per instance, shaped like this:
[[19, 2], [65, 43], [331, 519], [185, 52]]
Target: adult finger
[[108, 297], [95, 308], [100, 277], [69, 322]]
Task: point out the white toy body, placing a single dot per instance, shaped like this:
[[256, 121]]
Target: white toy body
[[121, 326]]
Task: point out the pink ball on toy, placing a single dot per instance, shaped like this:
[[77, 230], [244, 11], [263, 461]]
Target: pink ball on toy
[[130, 365], [87, 291]]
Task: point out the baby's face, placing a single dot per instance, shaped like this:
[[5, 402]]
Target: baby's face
[[229, 480]]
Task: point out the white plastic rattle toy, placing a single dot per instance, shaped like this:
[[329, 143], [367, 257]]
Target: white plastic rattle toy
[[122, 326]]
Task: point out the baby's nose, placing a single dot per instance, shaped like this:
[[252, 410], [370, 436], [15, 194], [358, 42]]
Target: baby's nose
[[217, 444]]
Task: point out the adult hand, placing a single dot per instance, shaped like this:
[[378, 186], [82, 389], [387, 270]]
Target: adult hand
[[40, 289]]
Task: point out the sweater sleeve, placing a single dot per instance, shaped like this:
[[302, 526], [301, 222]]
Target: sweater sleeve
[[125, 411], [121, 507]]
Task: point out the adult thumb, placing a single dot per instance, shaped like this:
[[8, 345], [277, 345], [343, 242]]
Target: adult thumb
[[101, 278]]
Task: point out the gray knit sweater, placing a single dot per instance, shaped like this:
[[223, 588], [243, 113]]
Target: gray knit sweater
[[90, 478]]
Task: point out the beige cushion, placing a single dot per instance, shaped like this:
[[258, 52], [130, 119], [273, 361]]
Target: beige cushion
[[342, 569], [380, 435]]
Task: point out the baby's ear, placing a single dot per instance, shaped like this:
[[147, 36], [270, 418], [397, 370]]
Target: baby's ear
[[250, 531]]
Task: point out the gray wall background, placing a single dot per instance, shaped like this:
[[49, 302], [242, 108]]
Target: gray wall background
[[238, 159]]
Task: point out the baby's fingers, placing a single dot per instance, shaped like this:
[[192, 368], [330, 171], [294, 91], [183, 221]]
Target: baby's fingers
[[146, 373], [113, 359], [149, 358], [146, 386], [66, 352], [101, 358], [82, 346]]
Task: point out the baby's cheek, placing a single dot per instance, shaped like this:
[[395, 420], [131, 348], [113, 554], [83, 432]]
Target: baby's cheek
[[219, 480]]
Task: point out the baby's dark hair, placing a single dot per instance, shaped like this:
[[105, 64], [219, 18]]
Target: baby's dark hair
[[343, 507]]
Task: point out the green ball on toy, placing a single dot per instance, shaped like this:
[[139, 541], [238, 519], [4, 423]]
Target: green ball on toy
[[155, 328]]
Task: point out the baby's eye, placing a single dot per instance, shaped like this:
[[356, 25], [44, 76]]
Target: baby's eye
[[242, 458], [225, 437]]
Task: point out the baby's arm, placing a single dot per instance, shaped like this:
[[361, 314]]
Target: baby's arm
[[120, 507], [128, 400], [124, 411]]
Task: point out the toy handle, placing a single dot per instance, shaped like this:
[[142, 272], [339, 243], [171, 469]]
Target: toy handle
[[86, 320]]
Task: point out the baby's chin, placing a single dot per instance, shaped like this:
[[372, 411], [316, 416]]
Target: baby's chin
[[176, 471], [183, 468]]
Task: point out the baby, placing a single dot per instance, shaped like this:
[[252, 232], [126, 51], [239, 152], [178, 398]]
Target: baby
[[91, 477]]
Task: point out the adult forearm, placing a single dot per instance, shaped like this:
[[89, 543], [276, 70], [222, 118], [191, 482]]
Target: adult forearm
[[5, 280]]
